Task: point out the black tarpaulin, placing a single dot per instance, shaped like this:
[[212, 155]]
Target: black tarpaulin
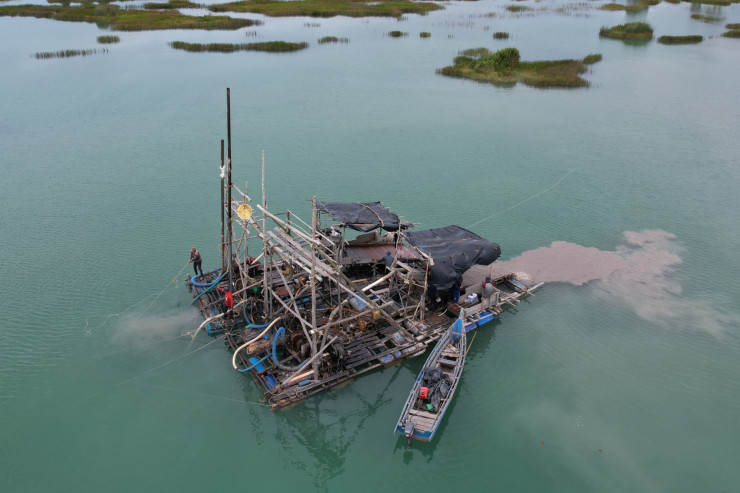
[[454, 250], [365, 216]]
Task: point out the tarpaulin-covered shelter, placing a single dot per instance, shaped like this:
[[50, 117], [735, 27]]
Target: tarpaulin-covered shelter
[[362, 216], [454, 250]]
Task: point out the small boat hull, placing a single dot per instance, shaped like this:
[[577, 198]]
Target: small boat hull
[[435, 387]]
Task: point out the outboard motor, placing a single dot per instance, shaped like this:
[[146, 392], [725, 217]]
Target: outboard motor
[[408, 431]]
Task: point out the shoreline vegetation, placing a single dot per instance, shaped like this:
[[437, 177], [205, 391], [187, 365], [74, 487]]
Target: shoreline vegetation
[[636, 31], [505, 68], [332, 39], [680, 40], [105, 40], [267, 46], [122, 19], [328, 8], [47, 55]]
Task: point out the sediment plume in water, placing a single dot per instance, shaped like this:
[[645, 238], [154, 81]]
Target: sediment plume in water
[[638, 273]]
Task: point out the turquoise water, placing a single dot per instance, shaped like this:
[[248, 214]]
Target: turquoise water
[[109, 173]]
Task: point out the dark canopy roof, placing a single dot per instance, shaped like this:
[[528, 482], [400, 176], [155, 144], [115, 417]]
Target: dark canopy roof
[[454, 250], [365, 216]]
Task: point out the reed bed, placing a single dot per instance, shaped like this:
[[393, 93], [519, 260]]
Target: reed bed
[[707, 18], [268, 46], [172, 5], [328, 8], [720, 3], [424, 34], [680, 40], [640, 31], [732, 27], [518, 8], [47, 55], [733, 33], [118, 19], [332, 39], [500, 35], [396, 34], [505, 68], [106, 40]]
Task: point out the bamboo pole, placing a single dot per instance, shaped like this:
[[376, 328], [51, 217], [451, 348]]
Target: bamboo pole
[[228, 165]]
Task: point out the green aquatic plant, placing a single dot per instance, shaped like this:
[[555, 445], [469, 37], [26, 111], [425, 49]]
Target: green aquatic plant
[[171, 5], [108, 39], [680, 40], [732, 26], [500, 35], [518, 8], [505, 67], [269, 46], [632, 30], [118, 19], [332, 39], [328, 8], [707, 18], [424, 34], [592, 58], [397, 34], [45, 55], [733, 33]]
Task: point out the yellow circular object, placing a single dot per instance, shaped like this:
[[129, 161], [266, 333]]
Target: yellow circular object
[[244, 211]]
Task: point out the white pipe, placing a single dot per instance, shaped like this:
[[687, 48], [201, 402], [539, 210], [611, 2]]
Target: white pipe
[[233, 359]]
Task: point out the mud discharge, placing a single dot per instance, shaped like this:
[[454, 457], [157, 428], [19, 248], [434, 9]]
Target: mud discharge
[[639, 273]]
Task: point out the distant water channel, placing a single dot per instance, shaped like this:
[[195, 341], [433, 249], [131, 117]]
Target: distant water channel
[[109, 173]]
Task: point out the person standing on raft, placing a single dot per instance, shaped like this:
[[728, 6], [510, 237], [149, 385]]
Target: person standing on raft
[[196, 260]]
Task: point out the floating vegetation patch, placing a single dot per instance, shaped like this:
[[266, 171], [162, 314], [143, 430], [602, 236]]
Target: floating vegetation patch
[[680, 40], [733, 33], [332, 39], [592, 58], [707, 18], [504, 67], [721, 3], [118, 19], [396, 34], [518, 8], [171, 5], [641, 31], [269, 46], [106, 40], [328, 8], [500, 35], [613, 6], [424, 34], [732, 27], [46, 55]]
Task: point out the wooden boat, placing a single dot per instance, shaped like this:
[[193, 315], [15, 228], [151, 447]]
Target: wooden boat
[[434, 387]]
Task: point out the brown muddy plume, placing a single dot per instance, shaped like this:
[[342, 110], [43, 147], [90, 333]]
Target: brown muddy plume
[[638, 273]]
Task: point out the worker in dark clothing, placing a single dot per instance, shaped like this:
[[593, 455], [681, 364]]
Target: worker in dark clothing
[[455, 289], [196, 260], [388, 260]]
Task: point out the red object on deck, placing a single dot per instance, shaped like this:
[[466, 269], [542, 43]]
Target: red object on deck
[[424, 392]]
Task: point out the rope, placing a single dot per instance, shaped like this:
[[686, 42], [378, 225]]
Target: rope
[[525, 200], [173, 360], [471, 343], [89, 331], [204, 395]]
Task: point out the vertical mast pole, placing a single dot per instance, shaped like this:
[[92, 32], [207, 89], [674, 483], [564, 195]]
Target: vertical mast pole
[[228, 204], [223, 243], [313, 290], [267, 259]]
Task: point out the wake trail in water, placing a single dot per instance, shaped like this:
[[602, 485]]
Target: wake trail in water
[[640, 273]]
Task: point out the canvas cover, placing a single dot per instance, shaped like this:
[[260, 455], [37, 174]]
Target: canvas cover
[[454, 250], [361, 216]]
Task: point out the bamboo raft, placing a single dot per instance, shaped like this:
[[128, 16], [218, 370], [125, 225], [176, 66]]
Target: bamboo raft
[[325, 301]]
